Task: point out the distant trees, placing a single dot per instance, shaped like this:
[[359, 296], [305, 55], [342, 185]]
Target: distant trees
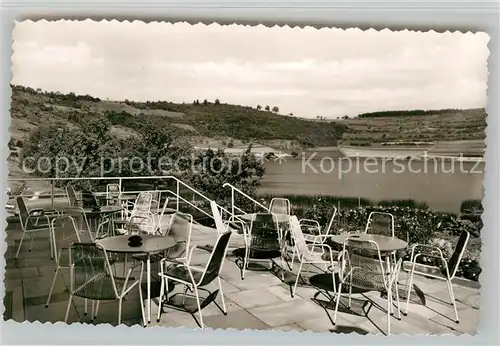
[[217, 102], [267, 108], [276, 109], [259, 107], [205, 102], [416, 112]]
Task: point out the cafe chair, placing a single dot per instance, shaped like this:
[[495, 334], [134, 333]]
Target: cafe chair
[[82, 223], [381, 223], [73, 199], [32, 222], [113, 193], [312, 229], [306, 252], [66, 232], [195, 278], [280, 206], [263, 242], [367, 273], [445, 272], [139, 217], [93, 277]]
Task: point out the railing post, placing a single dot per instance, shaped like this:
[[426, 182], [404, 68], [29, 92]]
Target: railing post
[[178, 194], [232, 201], [52, 194]]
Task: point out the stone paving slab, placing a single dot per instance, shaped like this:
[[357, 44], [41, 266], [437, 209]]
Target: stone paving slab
[[261, 301]]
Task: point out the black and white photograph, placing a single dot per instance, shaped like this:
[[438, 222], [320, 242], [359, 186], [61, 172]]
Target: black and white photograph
[[168, 174]]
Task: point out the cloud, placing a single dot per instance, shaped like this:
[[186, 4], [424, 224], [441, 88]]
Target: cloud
[[309, 72]]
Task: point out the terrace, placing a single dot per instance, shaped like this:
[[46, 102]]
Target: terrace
[[260, 301]]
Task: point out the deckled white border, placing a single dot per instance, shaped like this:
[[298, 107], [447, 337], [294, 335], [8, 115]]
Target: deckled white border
[[319, 14]]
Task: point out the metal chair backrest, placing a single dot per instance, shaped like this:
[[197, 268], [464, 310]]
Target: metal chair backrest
[[280, 206], [91, 275], [264, 232], [67, 232], [23, 212], [73, 199], [219, 223], [158, 227], [359, 261], [298, 236], [142, 205], [181, 228], [380, 223], [458, 253], [77, 214], [113, 193], [216, 260], [332, 220]]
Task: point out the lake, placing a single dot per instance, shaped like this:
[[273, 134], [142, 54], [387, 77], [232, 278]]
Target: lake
[[443, 185]]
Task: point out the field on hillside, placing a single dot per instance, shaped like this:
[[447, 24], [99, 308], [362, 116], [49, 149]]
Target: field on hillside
[[452, 125]]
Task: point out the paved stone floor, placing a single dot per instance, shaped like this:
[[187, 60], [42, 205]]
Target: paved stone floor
[[260, 301]]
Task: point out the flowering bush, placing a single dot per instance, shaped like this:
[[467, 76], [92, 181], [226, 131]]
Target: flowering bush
[[416, 226]]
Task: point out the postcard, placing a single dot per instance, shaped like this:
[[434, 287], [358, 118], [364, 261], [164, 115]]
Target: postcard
[[246, 177]]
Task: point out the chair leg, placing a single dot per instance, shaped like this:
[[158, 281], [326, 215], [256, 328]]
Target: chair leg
[[245, 263], [67, 308], [222, 297], [350, 293], [293, 258], [96, 311], [199, 306], [337, 303], [452, 298], [160, 299], [20, 244], [140, 295], [32, 238], [397, 298], [52, 287], [297, 279], [120, 300], [334, 285], [389, 308], [408, 292], [282, 267]]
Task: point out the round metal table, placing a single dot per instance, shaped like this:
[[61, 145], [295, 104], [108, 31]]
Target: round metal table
[[150, 244], [104, 210], [101, 213], [385, 243]]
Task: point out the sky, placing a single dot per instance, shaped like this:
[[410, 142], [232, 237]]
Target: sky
[[307, 72]]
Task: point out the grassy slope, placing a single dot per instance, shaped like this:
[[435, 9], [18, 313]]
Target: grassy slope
[[452, 125], [219, 124]]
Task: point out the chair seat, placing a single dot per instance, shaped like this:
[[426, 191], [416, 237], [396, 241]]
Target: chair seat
[[321, 257], [41, 226], [99, 287], [366, 279], [425, 269], [180, 272], [258, 254]]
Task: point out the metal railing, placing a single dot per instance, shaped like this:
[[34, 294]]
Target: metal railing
[[177, 194], [234, 207]]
